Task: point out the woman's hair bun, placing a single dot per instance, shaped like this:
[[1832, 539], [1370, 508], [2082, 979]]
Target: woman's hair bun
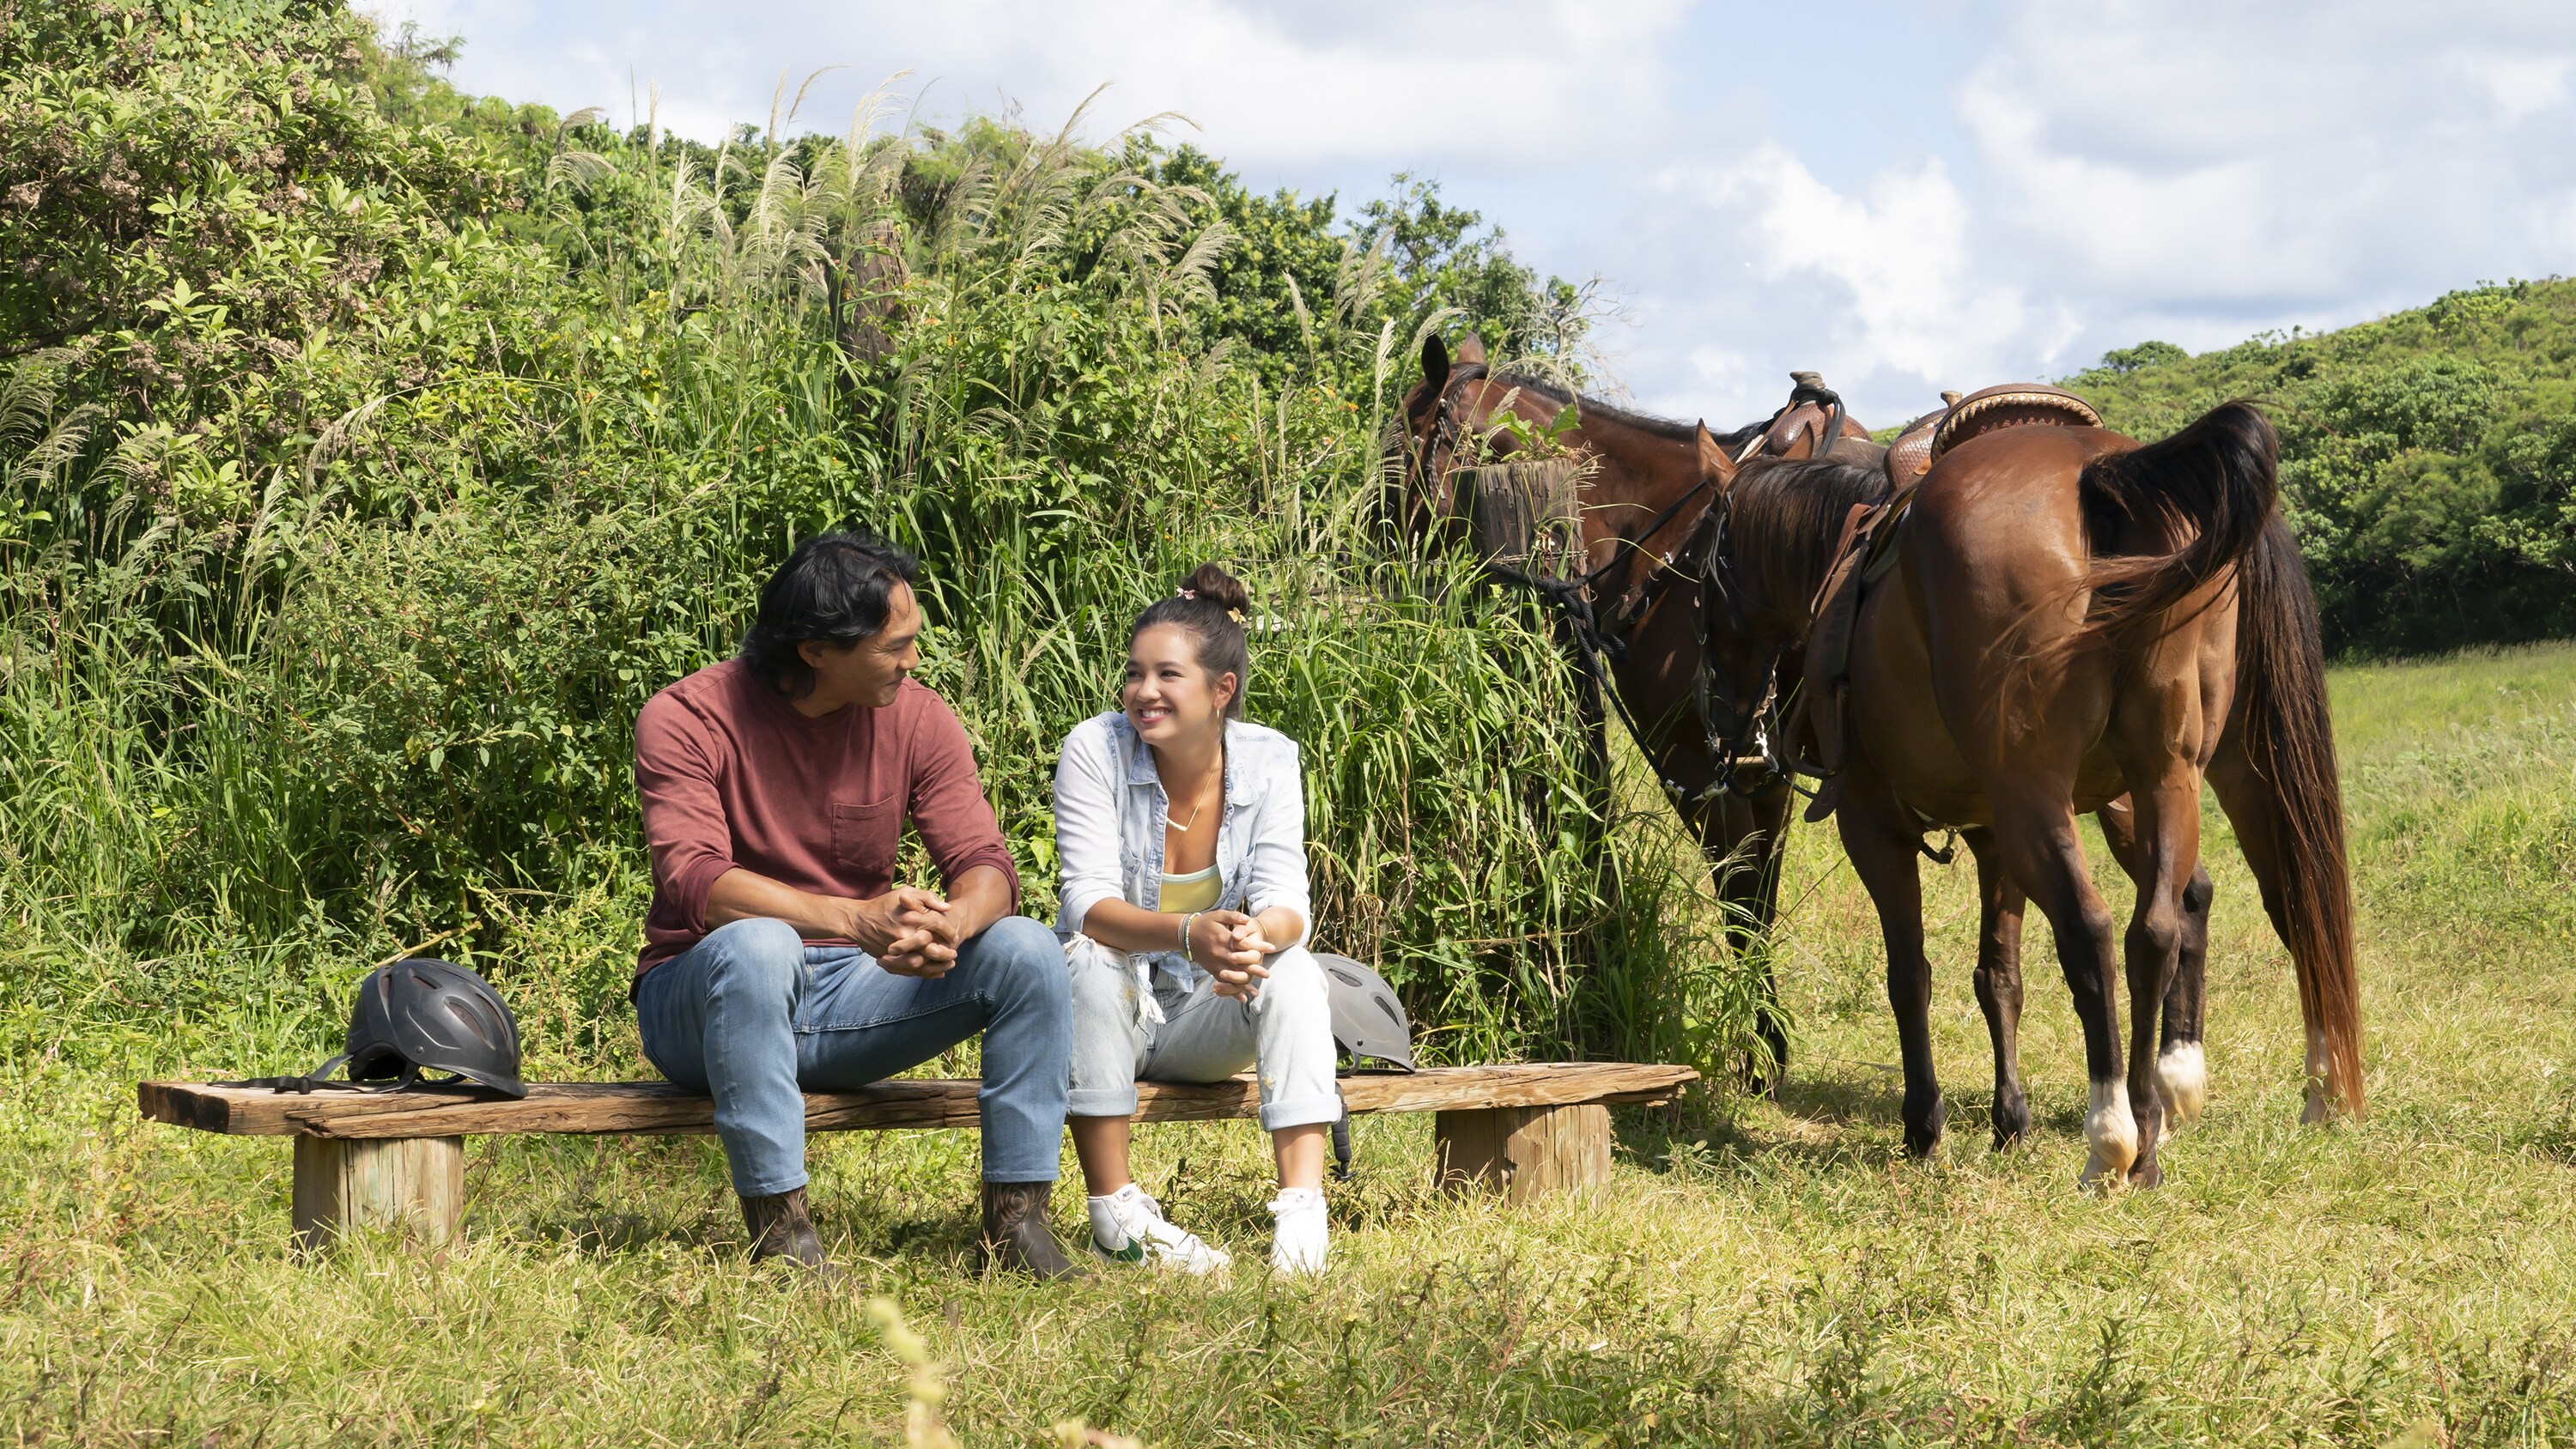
[[1217, 586]]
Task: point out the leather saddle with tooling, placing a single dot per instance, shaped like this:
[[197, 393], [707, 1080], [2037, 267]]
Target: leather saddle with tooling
[[1866, 552]]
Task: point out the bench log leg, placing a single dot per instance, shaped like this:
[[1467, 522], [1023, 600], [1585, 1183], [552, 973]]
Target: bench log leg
[[1523, 1152], [415, 1183]]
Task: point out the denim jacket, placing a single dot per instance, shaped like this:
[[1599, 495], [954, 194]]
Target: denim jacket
[[1109, 813]]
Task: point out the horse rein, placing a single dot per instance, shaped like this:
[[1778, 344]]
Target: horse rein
[[1444, 433], [1765, 743], [1573, 598], [1725, 755], [1577, 610]]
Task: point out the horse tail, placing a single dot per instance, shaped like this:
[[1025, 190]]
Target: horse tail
[[2217, 477], [2287, 734]]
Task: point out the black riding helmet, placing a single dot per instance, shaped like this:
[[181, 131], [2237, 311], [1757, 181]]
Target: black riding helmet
[[419, 1015]]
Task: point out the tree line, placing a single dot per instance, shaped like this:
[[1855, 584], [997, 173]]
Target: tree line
[[2428, 459]]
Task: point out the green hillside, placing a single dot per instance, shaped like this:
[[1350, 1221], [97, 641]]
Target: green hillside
[[370, 452], [2428, 458]]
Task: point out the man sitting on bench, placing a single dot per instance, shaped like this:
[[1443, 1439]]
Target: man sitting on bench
[[779, 954]]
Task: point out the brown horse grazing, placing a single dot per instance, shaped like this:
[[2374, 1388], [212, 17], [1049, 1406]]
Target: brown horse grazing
[[1822, 497], [2069, 618], [1641, 495]]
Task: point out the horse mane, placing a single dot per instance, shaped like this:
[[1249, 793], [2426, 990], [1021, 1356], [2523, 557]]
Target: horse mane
[[1592, 407], [1786, 515]]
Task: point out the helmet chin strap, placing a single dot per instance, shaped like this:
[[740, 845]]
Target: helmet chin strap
[[319, 1080], [314, 1080]]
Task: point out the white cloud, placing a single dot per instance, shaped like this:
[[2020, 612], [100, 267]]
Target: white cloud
[[2295, 154], [1524, 81], [2192, 169], [1880, 292], [2520, 85], [2195, 171], [1902, 254]]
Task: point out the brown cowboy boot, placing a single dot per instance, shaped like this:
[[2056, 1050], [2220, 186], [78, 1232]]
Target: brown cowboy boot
[[781, 1226], [1016, 1234]]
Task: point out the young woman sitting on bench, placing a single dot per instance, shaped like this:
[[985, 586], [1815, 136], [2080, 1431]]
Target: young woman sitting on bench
[[1182, 833]]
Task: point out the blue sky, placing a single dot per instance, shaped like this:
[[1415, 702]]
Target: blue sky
[[1908, 197]]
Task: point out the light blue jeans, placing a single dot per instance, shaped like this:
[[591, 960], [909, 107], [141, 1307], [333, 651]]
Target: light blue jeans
[[754, 1017], [1285, 1033]]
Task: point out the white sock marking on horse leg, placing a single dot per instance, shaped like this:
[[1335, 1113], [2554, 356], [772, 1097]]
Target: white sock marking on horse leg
[[2183, 1073], [2113, 1130]]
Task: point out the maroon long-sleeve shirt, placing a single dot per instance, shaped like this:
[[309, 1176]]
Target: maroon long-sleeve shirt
[[731, 775]]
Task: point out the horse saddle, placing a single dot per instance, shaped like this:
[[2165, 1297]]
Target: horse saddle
[[1866, 551], [1987, 410], [1862, 556], [1812, 424]]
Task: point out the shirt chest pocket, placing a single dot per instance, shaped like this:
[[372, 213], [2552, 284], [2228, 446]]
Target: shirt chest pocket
[[864, 838]]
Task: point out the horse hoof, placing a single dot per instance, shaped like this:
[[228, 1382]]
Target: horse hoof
[[1923, 1127], [2113, 1132], [2183, 1075], [2107, 1176], [2147, 1174], [2012, 1121], [1767, 1077]]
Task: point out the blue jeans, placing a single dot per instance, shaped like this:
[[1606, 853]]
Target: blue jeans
[[754, 1017]]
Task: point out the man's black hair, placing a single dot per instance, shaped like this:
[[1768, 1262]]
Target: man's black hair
[[835, 587]]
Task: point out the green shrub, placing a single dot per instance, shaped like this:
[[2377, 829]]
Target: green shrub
[[329, 644], [2425, 459]]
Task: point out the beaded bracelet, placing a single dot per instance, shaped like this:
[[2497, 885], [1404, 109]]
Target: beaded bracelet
[[1186, 922]]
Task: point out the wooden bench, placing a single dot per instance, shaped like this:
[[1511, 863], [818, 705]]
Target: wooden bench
[[398, 1159]]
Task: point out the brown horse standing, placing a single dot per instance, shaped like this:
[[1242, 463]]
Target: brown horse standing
[[1644, 493], [2070, 617]]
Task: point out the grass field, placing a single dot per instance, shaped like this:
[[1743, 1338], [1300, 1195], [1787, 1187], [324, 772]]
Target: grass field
[[1754, 1274]]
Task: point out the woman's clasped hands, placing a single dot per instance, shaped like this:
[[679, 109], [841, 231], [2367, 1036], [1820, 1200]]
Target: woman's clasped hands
[[1230, 946]]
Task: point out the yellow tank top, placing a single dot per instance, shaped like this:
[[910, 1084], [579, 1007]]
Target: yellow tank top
[[1197, 891]]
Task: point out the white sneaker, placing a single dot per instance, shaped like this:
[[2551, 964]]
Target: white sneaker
[[1128, 1227], [1297, 1246]]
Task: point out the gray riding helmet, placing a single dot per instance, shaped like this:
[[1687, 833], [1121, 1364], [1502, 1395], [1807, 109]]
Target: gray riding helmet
[[1368, 1022], [424, 1015]]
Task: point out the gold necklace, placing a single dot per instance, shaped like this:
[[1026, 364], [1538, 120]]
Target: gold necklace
[[1218, 776]]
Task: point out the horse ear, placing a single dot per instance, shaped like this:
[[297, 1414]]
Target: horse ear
[[1471, 348], [1435, 361], [1713, 460]]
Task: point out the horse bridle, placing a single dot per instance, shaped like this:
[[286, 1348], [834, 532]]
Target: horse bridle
[[1573, 598], [1420, 452], [1444, 433], [1764, 742], [1767, 744]]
